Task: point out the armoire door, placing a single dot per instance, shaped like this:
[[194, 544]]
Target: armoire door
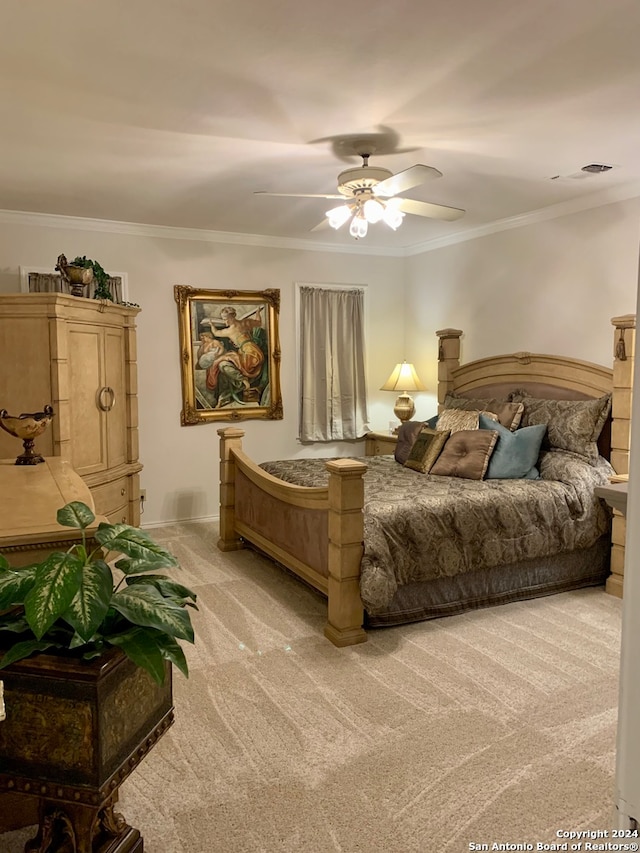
[[87, 375], [116, 395]]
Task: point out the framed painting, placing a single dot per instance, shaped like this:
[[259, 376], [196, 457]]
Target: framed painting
[[229, 353]]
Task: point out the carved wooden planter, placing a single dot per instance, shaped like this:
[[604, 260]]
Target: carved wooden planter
[[74, 731]]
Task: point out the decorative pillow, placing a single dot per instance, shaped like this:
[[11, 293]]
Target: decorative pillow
[[516, 453], [432, 422], [509, 412], [407, 434], [572, 425], [457, 419], [426, 449], [466, 454]]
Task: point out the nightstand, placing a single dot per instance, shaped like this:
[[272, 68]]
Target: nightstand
[[380, 444], [616, 496]]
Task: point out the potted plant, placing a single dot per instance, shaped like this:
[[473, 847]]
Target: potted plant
[[101, 277], [87, 653]]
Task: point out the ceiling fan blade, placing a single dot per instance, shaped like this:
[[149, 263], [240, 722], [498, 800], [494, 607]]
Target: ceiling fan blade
[[411, 177], [321, 226], [426, 208], [300, 195]]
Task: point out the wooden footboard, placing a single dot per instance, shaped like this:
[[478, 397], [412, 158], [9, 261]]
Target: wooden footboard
[[317, 533]]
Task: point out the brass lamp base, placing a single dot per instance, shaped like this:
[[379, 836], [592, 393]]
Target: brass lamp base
[[404, 408]]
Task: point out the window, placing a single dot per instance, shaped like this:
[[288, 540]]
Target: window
[[333, 403]]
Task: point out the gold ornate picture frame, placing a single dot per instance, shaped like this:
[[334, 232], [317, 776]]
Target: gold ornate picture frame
[[229, 353]]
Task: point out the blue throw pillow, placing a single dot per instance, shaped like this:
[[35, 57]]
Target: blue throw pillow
[[432, 422], [516, 453]]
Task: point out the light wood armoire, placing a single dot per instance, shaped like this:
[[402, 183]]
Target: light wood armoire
[[79, 355]]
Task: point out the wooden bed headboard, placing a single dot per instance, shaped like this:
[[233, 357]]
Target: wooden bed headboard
[[551, 377]]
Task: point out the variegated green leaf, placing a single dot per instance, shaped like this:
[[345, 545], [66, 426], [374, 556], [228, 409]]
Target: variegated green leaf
[[75, 514], [23, 650], [77, 641], [15, 584], [167, 587], [140, 646], [144, 605], [134, 543], [56, 583], [172, 651], [91, 601], [134, 567], [4, 563]]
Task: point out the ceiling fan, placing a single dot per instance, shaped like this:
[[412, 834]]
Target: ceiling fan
[[370, 194]]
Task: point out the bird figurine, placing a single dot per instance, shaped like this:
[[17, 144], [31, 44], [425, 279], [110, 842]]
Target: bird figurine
[[27, 426]]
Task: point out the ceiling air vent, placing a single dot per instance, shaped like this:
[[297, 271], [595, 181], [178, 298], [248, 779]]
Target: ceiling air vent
[[596, 168]]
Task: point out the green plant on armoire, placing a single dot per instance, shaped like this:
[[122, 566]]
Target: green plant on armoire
[[101, 277]]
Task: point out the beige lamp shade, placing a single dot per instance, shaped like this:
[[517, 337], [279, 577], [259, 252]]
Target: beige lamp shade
[[404, 379]]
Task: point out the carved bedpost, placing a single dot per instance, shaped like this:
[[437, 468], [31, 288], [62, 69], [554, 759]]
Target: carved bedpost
[[623, 361], [346, 534], [230, 440], [448, 360]]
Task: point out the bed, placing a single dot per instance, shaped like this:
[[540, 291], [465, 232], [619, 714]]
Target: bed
[[312, 518]]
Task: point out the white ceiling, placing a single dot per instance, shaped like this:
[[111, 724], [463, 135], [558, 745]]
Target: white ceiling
[[173, 112]]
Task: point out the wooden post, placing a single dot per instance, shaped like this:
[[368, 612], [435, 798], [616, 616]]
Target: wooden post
[[448, 360], [623, 365], [131, 402], [346, 534], [230, 440], [623, 361]]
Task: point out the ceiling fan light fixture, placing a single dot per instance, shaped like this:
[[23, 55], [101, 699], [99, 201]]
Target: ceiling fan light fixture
[[373, 210], [337, 216], [370, 195], [392, 217], [359, 226]]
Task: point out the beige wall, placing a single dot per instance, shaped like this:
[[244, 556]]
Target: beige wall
[[550, 287], [181, 463]]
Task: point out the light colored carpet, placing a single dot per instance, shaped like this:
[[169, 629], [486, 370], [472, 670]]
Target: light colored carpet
[[494, 726]]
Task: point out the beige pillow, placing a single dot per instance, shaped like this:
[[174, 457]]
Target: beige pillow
[[573, 425], [457, 419], [509, 413], [466, 454], [426, 448]]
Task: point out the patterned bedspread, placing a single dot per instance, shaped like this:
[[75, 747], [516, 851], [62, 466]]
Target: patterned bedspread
[[419, 527]]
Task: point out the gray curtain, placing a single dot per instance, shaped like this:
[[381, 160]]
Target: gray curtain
[[54, 283], [333, 381]]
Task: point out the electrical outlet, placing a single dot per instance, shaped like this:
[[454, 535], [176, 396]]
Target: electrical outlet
[[143, 494]]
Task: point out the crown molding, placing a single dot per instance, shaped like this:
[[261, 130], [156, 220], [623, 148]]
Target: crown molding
[[544, 214], [168, 232]]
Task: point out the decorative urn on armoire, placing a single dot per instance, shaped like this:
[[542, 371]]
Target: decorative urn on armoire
[[27, 427], [79, 278]]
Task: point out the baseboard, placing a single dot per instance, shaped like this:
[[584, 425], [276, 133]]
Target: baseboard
[[203, 519]]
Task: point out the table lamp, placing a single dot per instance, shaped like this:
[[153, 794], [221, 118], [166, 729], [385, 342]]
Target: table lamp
[[404, 379]]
